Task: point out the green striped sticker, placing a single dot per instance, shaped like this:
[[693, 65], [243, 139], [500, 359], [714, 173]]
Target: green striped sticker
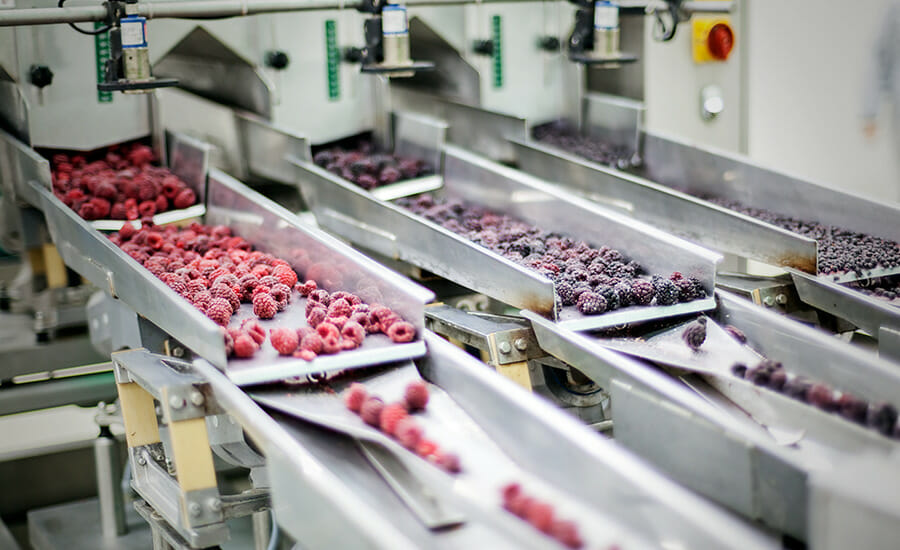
[[333, 60], [497, 57], [101, 52]]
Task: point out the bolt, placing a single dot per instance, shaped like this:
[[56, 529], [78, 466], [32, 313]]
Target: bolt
[[214, 504], [194, 509], [781, 299], [769, 301], [504, 348], [197, 398], [176, 402], [141, 460], [521, 344], [178, 351]]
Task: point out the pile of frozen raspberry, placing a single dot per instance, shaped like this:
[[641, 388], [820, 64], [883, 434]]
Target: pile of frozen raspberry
[[121, 183], [217, 271], [840, 250], [881, 417], [566, 136], [369, 169], [884, 288], [595, 280], [395, 420], [541, 516]]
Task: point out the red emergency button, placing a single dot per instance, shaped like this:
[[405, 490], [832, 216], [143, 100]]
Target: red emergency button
[[720, 41]]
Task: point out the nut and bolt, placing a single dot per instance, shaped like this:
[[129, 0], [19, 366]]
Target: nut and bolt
[[769, 301], [176, 402], [214, 504], [781, 299], [194, 509], [178, 351], [521, 344], [504, 348], [141, 460], [197, 398]]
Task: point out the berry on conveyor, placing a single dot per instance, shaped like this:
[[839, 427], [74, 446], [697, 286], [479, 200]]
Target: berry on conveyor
[[643, 292], [695, 334], [739, 370], [400, 331], [255, 330], [882, 417], [264, 306], [408, 433], [371, 411], [852, 408], [822, 396], [736, 333], [566, 136], [449, 462], [369, 169], [540, 515], [355, 396], [666, 291], [416, 395], [566, 532], [391, 416], [284, 340], [219, 310], [591, 303], [244, 346], [427, 449]]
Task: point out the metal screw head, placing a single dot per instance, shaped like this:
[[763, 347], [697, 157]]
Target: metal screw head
[[781, 299], [176, 402], [178, 351], [769, 301], [521, 344], [214, 504], [197, 398], [504, 347], [194, 509], [141, 460]]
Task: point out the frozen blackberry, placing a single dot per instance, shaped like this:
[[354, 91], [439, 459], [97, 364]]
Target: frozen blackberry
[[623, 290], [610, 295], [666, 291], [822, 396], [642, 292], [591, 303], [759, 375], [566, 293], [777, 380], [689, 289], [797, 388], [739, 370], [695, 334], [882, 417]]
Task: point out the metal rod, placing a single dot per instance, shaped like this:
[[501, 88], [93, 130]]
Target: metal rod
[[109, 490]]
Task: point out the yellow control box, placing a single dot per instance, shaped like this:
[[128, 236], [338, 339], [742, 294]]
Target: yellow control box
[[712, 39]]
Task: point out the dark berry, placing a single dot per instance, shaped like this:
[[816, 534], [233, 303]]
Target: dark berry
[[695, 334]]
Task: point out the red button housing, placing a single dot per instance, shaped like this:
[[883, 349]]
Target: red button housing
[[720, 41]]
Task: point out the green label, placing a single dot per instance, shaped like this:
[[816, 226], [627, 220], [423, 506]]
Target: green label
[[101, 52], [497, 57], [333, 60]]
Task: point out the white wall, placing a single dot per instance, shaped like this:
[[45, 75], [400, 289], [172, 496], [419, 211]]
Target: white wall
[[806, 67]]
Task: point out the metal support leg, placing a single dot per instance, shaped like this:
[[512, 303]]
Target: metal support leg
[[262, 530], [109, 490]]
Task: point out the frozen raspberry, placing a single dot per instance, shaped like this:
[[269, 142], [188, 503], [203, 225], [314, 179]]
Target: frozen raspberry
[[307, 288], [339, 308], [591, 303], [322, 296], [162, 204], [170, 187], [285, 275], [511, 490], [184, 199], [416, 395], [449, 462], [244, 346], [86, 211], [355, 396], [219, 310], [520, 505], [427, 449], [401, 332], [408, 433], [736, 333], [853, 408], [389, 321], [259, 289], [229, 343], [331, 344], [354, 332], [101, 207], [391, 416], [117, 211], [220, 290], [284, 340], [312, 342], [822, 396], [264, 306], [695, 334], [255, 330], [362, 319], [282, 295], [371, 410], [566, 532], [316, 316], [540, 515], [305, 354], [327, 329], [127, 231]]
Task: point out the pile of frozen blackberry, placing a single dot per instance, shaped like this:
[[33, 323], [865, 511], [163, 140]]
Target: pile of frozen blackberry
[[368, 168], [566, 136], [884, 288], [840, 250], [881, 417], [595, 280]]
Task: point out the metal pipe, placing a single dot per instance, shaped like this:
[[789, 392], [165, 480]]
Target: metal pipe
[[109, 491]]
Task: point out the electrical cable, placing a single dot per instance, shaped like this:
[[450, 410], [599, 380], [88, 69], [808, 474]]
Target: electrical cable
[[273, 539], [94, 32]]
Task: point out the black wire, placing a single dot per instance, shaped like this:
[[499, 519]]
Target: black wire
[[94, 32]]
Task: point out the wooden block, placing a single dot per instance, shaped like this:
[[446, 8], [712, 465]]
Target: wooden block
[[139, 414], [36, 259], [517, 372], [56, 268], [192, 455]]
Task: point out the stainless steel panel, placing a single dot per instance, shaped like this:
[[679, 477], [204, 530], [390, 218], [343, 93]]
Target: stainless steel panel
[[14, 110], [866, 312], [20, 165], [266, 148], [419, 136], [614, 119], [668, 209], [597, 470], [484, 131], [683, 165], [394, 232]]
